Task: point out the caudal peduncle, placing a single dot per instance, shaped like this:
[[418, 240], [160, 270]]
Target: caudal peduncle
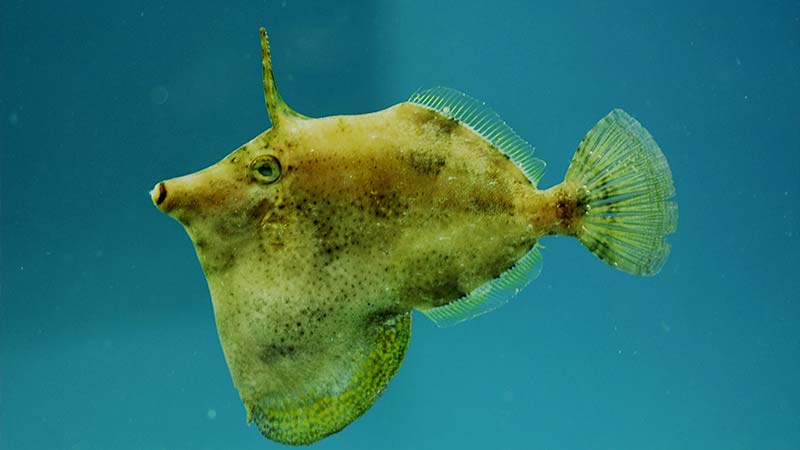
[[558, 210]]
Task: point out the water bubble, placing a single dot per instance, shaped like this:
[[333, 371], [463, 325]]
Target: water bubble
[[159, 95], [212, 413]]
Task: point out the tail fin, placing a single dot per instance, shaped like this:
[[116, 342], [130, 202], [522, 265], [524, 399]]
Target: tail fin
[[628, 184]]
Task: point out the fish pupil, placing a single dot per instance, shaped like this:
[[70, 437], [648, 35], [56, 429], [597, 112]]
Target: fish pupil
[[266, 170]]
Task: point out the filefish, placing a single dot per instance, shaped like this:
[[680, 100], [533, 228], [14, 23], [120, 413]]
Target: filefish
[[321, 235]]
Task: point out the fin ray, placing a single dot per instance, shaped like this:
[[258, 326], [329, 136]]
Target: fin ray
[[491, 295], [277, 109], [628, 185], [484, 121]]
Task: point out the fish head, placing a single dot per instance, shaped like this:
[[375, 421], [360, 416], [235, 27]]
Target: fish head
[[229, 201], [227, 207]]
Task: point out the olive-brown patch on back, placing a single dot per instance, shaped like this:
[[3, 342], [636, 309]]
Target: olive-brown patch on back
[[426, 162], [488, 202], [442, 124], [492, 194]]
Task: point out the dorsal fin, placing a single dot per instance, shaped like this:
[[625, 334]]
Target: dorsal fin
[[491, 295], [484, 121], [276, 107]]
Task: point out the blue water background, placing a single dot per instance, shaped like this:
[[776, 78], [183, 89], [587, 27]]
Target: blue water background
[[107, 337]]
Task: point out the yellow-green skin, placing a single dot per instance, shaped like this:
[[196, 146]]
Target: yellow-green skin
[[313, 276]]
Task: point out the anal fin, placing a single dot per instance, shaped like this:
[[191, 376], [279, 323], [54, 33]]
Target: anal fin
[[491, 295]]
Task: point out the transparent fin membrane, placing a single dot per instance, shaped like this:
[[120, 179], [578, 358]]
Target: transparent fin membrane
[[484, 121], [629, 184], [491, 295]]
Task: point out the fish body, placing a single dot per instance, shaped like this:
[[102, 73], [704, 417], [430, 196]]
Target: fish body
[[320, 236]]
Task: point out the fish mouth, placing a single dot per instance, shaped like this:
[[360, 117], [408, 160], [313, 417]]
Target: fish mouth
[[158, 194]]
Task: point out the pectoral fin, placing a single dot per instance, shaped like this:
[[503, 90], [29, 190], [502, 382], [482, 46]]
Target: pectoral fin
[[308, 418]]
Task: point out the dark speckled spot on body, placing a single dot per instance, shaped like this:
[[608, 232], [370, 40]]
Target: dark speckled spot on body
[[260, 210], [216, 262], [446, 124], [485, 203], [342, 125], [447, 292], [270, 353], [427, 163], [443, 123], [385, 204], [314, 314]]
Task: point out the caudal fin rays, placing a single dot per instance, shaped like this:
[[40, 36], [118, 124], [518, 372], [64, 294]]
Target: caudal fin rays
[[628, 187]]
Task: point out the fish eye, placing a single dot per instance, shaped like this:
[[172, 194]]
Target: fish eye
[[266, 169]]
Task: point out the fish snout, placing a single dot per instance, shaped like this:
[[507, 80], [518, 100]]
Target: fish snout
[[158, 194], [202, 193], [171, 197]]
